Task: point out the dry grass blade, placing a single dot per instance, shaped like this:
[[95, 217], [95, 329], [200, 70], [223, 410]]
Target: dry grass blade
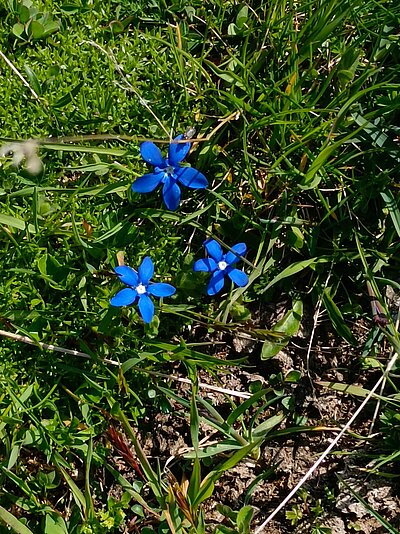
[[326, 452]]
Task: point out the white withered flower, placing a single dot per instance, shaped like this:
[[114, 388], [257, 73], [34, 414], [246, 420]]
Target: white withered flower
[[24, 150]]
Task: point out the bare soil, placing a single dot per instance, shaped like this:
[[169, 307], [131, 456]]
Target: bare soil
[[330, 360], [325, 502]]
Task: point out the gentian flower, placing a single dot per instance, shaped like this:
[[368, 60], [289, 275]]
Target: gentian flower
[[221, 264], [139, 286], [168, 172]]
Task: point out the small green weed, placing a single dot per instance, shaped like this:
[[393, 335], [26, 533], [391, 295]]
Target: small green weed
[[31, 24]]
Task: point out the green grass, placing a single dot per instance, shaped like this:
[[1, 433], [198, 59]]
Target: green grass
[[296, 105]]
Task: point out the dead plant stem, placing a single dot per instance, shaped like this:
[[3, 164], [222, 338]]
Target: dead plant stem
[[315, 466]]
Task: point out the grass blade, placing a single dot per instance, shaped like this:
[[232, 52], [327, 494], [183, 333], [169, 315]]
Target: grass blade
[[375, 514], [13, 522]]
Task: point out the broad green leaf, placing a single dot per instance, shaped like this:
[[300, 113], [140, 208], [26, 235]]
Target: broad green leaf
[[13, 456], [194, 420], [116, 27], [242, 16], [24, 13], [33, 79], [295, 237], [205, 491], [50, 267], [271, 348], [18, 29], [14, 523], [51, 27], [195, 480], [90, 513], [26, 394], [393, 208], [357, 391], [345, 76], [213, 450], [243, 520], [239, 312], [268, 425], [233, 29], [337, 318], [288, 326], [128, 364], [76, 492], [36, 29], [227, 511], [55, 525], [9, 220], [21, 484], [221, 529], [293, 376]]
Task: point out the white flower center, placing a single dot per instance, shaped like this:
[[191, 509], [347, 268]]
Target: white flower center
[[222, 265], [141, 289], [169, 170]]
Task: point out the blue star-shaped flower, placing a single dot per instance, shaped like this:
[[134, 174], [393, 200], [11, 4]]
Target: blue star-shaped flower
[[221, 264], [168, 172], [140, 286]]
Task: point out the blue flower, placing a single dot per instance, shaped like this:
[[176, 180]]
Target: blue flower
[[168, 172], [221, 264], [139, 286]]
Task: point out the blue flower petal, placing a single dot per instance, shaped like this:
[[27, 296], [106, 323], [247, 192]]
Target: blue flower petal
[[214, 249], [124, 297], [152, 154], [146, 270], [177, 152], [232, 258], [238, 277], [147, 182], [205, 264], [192, 178], [127, 275], [216, 283], [161, 290], [146, 308], [171, 193]]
